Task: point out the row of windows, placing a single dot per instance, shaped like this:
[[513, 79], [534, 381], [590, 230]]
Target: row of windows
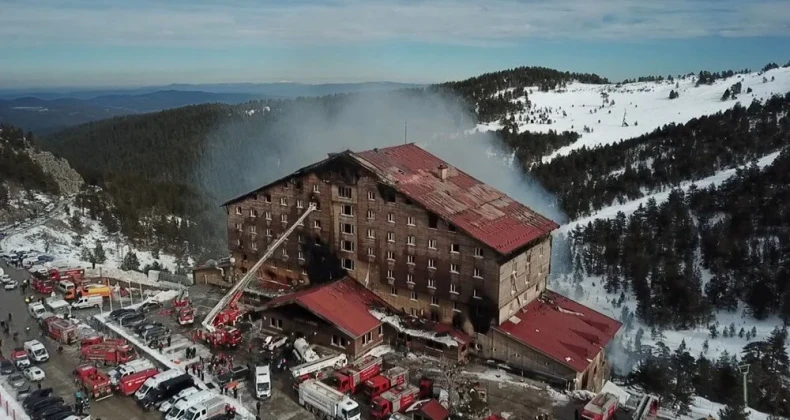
[[434, 300]]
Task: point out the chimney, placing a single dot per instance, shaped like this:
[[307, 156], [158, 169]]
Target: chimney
[[443, 172]]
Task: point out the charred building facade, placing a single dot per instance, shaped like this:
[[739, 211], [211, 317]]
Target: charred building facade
[[424, 236]]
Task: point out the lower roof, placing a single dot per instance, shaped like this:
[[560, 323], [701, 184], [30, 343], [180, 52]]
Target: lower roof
[[562, 329]]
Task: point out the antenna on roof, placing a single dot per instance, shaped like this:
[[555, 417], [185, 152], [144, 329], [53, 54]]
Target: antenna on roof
[[405, 131]]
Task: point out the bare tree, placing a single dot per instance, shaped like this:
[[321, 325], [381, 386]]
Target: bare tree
[[451, 372]]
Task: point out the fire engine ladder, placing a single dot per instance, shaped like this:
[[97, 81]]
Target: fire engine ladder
[[235, 292]]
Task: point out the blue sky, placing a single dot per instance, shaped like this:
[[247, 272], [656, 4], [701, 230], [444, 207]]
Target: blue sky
[[147, 42]]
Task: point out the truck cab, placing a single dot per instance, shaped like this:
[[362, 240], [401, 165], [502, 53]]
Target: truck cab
[[263, 382]]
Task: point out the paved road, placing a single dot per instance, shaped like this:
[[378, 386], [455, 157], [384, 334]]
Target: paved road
[[58, 369], [13, 229]]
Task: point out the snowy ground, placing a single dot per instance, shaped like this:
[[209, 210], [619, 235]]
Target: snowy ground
[[646, 106], [53, 236]]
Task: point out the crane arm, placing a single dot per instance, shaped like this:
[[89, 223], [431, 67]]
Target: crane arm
[[236, 291]]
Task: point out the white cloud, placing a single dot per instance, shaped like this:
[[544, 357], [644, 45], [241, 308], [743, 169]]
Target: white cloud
[[464, 22]]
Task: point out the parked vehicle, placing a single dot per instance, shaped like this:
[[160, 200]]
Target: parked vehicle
[[7, 367], [185, 315], [154, 382], [42, 285], [602, 407], [351, 378], [396, 400], [165, 406], [129, 368], [263, 382], [34, 374], [165, 390], [36, 309], [35, 395], [36, 351], [17, 380], [393, 377], [131, 384], [146, 325], [11, 285], [316, 369], [149, 306], [206, 410], [155, 333], [20, 358], [320, 398], [233, 374], [43, 402], [48, 411], [111, 352], [132, 320], [90, 301], [92, 381], [61, 330], [118, 313], [179, 409]]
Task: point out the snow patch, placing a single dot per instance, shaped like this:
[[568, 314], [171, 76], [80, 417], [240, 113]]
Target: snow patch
[[396, 322]]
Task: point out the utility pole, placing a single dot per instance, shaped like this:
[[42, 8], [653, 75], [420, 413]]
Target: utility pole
[[745, 372], [405, 132]]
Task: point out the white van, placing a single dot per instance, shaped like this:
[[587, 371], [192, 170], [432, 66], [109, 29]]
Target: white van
[[167, 405], [179, 409], [36, 309], [65, 285], [90, 301], [129, 368], [263, 382], [36, 351], [154, 382]]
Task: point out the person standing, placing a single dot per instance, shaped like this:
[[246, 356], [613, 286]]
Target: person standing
[[258, 408]]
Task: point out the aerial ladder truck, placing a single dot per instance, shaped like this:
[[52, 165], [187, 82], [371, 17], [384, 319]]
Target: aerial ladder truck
[[218, 329]]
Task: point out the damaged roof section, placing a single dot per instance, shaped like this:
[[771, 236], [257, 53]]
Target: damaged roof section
[[480, 210], [343, 303], [562, 329]]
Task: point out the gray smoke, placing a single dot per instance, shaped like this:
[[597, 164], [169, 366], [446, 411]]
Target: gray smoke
[[253, 150]]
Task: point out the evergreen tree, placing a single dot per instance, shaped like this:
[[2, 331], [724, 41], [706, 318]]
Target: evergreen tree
[[75, 222], [734, 411], [130, 262], [99, 257]]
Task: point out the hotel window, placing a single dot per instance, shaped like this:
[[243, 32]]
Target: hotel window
[[299, 204], [431, 263], [451, 227], [413, 296], [410, 278], [347, 246], [276, 323], [283, 201], [371, 233], [238, 210], [300, 238], [411, 240], [347, 228], [344, 192], [301, 256], [431, 283], [267, 215], [390, 236], [477, 273], [391, 217], [371, 195], [253, 229], [371, 215], [348, 264], [370, 252], [410, 259], [268, 232], [284, 218], [433, 221], [253, 213], [338, 341], [367, 338], [254, 246], [394, 291], [347, 210], [478, 252], [238, 226], [453, 268], [453, 288], [431, 243], [285, 253], [410, 220], [455, 248], [315, 189], [455, 306], [390, 256], [474, 294], [317, 224], [434, 301], [267, 198], [390, 274]]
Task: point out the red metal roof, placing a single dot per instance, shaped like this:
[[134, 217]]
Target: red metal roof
[[434, 411], [343, 303], [562, 329], [480, 210]]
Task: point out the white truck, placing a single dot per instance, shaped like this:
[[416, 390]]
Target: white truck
[[263, 382], [36, 309], [319, 397], [179, 409], [206, 410], [129, 368], [304, 352], [166, 405], [36, 351], [58, 306]]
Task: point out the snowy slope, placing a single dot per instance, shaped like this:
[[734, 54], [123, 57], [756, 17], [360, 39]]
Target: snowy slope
[[646, 106]]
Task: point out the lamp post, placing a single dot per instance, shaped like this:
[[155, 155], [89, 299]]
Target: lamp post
[[745, 372]]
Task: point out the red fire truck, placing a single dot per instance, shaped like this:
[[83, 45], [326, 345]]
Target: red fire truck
[[393, 377], [66, 273], [395, 400], [350, 378], [128, 385], [602, 407], [41, 285], [94, 382], [60, 330], [110, 352]]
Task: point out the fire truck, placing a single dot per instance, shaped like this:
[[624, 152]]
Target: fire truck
[[215, 326], [185, 315], [74, 274], [393, 377], [350, 378], [128, 385], [318, 369], [94, 382], [60, 330], [396, 400], [110, 352], [602, 407], [42, 285]]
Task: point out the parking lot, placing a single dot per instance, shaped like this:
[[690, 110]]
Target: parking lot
[[60, 366]]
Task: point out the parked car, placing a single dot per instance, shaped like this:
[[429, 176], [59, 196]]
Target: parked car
[[5, 278], [234, 374], [118, 313], [23, 392], [132, 320], [17, 380], [35, 395], [34, 373], [49, 411], [7, 367], [149, 307], [147, 325], [11, 285]]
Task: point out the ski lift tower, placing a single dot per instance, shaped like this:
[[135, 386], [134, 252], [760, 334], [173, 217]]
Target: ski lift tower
[[744, 369]]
